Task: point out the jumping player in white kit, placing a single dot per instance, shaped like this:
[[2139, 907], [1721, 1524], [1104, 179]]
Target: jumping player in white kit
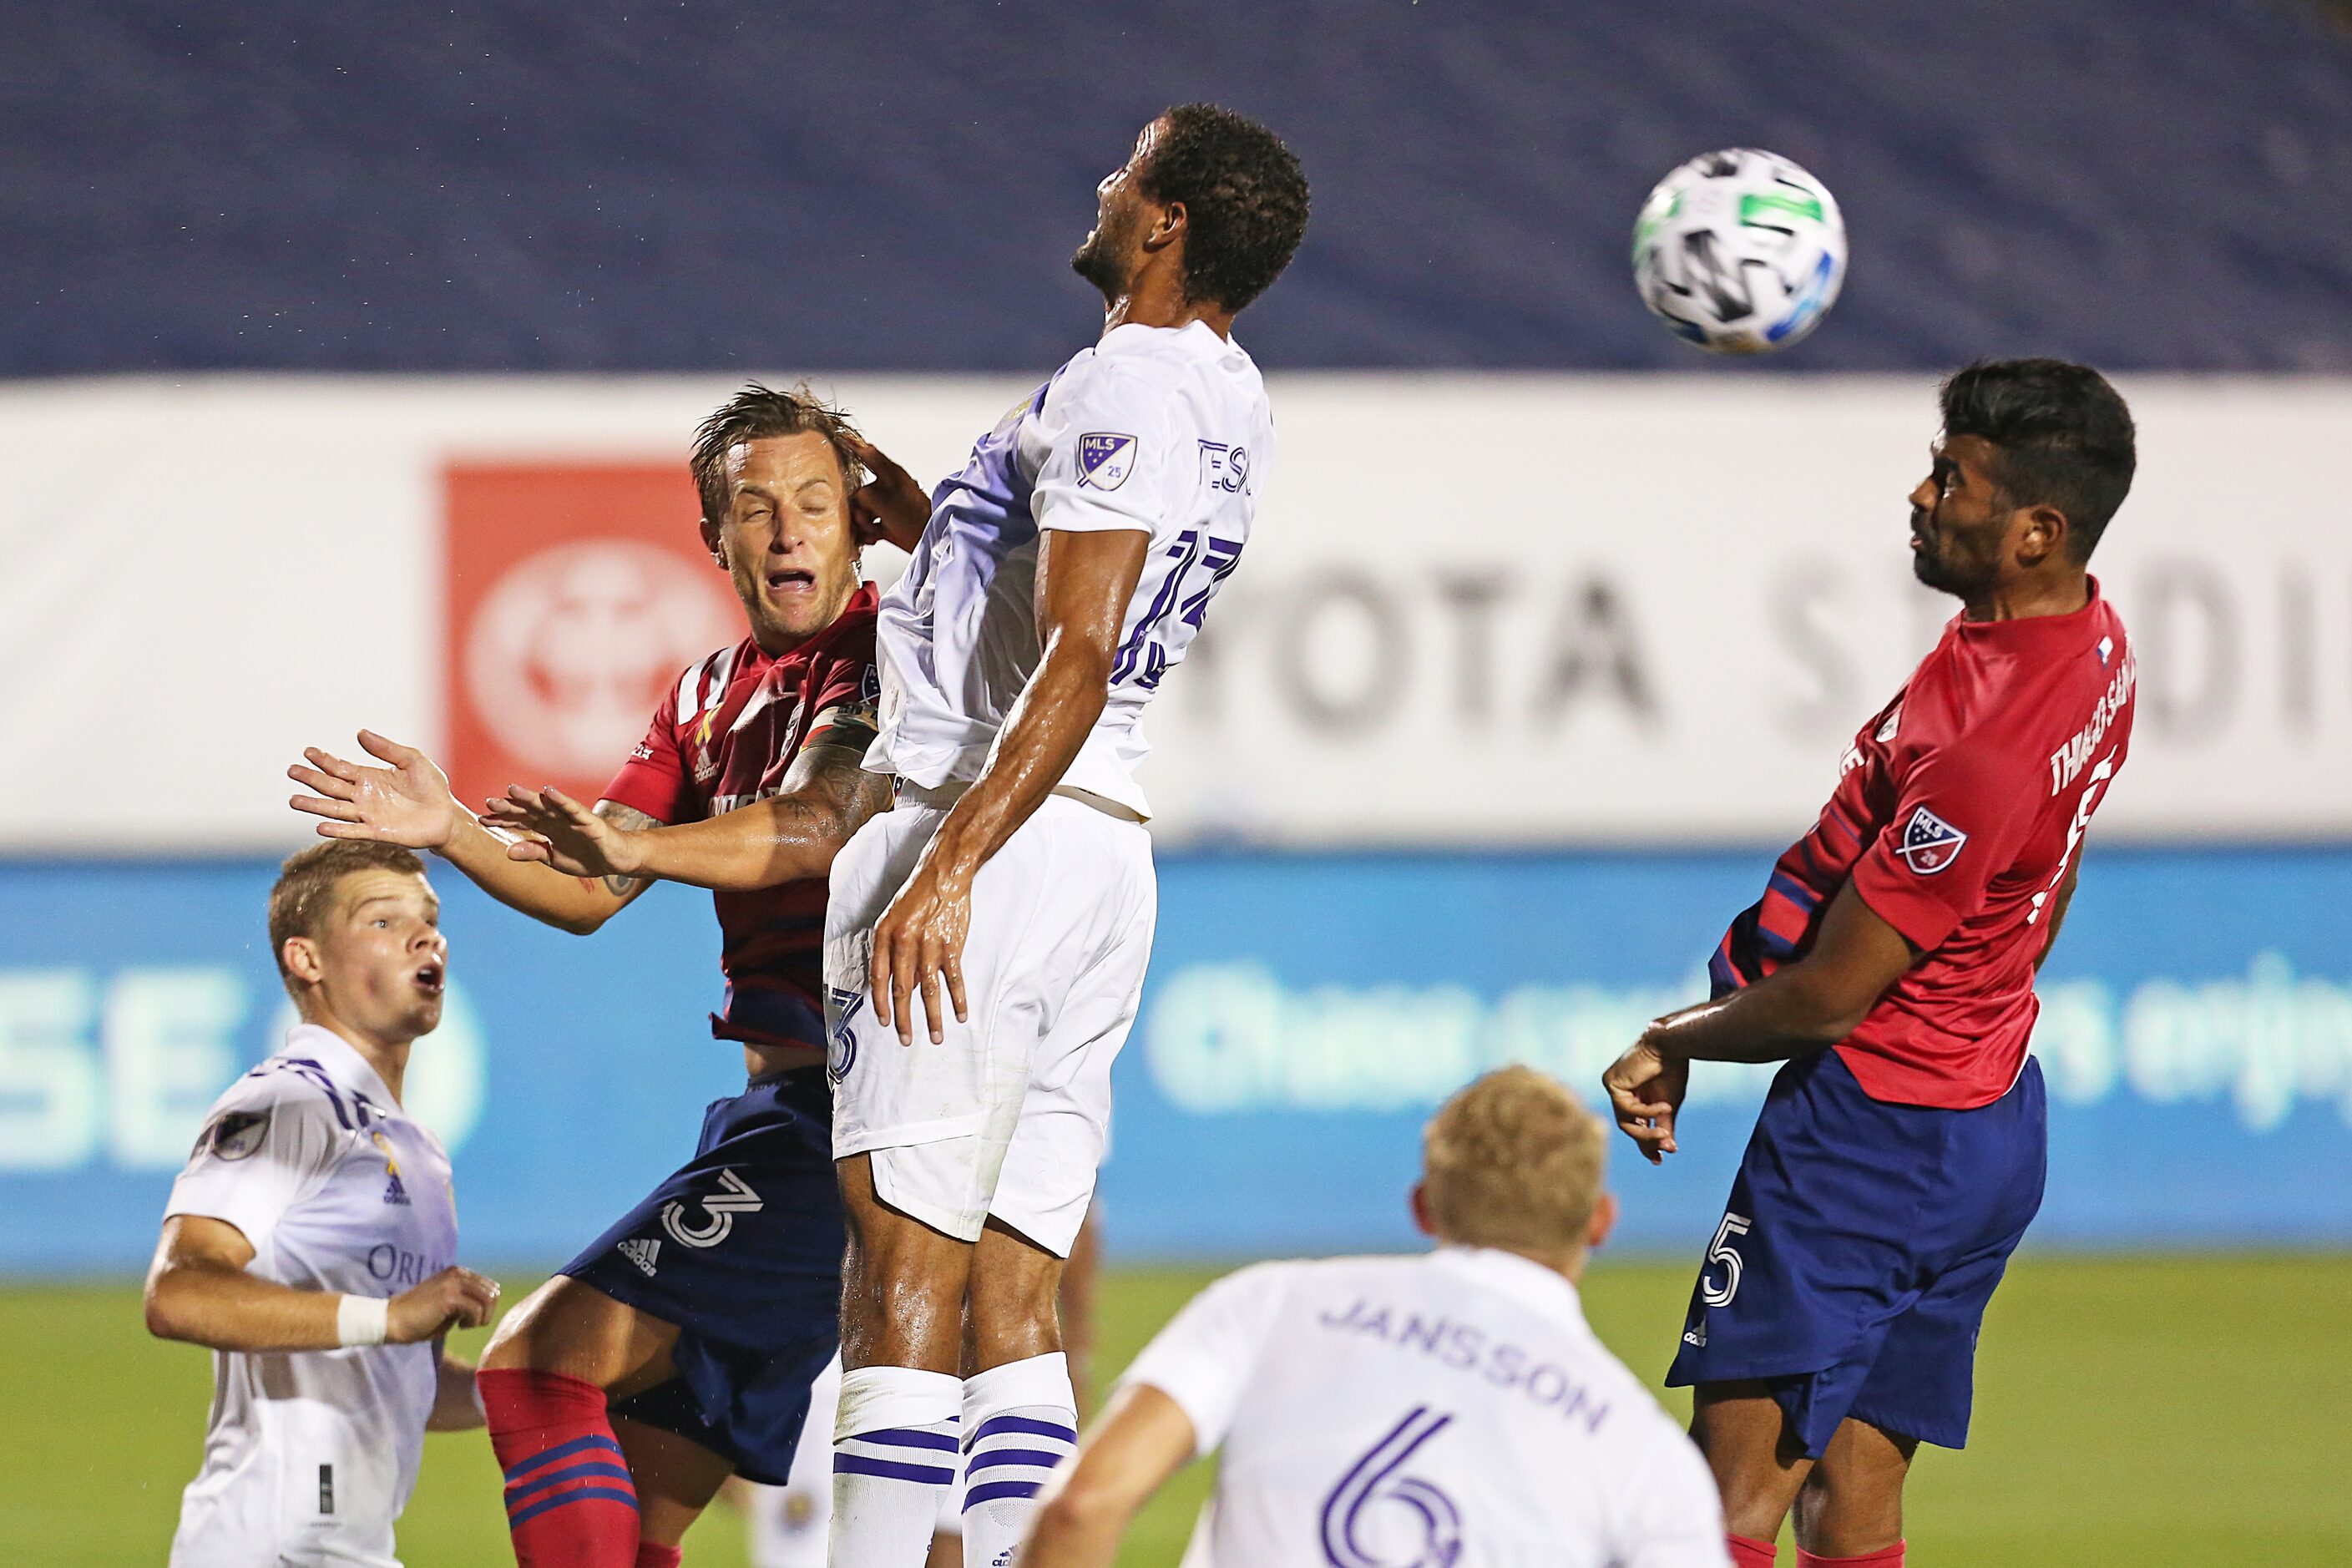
[[311, 1240], [1449, 1410], [1055, 581]]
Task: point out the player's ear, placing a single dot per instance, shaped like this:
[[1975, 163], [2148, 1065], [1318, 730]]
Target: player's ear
[[300, 956], [1603, 1221], [2040, 533], [712, 542], [1421, 1221], [1167, 228]]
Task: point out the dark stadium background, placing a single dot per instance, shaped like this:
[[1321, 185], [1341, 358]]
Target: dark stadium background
[[197, 204]]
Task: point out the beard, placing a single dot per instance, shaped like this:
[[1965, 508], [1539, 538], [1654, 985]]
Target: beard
[[1100, 260], [1937, 564]]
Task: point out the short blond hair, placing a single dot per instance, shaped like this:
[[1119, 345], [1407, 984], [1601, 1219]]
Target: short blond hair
[[304, 894], [1514, 1160]]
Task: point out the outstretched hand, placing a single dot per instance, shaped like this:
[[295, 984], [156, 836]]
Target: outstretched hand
[[919, 946], [407, 803], [560, 831], [889, 507], [1645, 1090]]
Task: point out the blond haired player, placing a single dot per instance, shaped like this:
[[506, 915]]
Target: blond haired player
[[311, 1241], [1446, 1410]]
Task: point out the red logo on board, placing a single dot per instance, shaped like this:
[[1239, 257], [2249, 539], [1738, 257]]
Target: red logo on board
[[574, 594]]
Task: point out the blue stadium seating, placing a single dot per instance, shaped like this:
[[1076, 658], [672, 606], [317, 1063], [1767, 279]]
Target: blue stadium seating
[[606, 185]]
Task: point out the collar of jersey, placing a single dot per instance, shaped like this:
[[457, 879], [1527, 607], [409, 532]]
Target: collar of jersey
[[2068, 629], [1524, 1280], [342, 1061]]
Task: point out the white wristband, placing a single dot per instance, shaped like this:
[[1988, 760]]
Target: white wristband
[[362, 1320]]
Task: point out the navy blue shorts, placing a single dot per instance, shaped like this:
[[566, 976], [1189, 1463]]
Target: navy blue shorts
[[1862, 1242], [742, 1249]]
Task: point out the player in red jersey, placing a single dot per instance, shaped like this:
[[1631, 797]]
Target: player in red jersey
[[1890, 1175], [680, 1346]]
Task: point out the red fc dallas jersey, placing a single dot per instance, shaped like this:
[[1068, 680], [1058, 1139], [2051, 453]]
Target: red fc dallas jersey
[[724, 737], [1958, 810]]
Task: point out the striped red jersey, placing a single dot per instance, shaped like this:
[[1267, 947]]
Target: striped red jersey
[[1958, 810], [724, 737]]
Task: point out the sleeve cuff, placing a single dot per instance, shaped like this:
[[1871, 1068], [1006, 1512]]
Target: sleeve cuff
[[254, 1221], [1923, 920]]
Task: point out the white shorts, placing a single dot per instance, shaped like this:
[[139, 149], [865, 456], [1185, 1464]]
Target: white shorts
[[1010, 1114]]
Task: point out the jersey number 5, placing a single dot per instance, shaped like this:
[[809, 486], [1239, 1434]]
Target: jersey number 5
[[1721, 1251]]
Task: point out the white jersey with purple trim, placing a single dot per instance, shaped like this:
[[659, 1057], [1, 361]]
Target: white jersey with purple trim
[[310, 1455], [1446, 1409], [1164, 430]]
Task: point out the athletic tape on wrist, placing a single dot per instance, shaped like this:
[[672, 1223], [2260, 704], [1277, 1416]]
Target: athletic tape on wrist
[[362, 1320]]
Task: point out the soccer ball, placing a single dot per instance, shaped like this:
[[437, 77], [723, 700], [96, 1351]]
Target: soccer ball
[[1740, 251]]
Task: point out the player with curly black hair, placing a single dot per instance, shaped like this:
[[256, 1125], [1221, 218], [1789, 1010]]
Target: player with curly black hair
[[1007, 896], [1239, 191]]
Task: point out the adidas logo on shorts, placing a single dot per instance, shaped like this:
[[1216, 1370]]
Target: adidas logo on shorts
[[642, 1252]]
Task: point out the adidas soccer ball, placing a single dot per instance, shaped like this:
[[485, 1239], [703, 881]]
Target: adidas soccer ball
[[1740, 251]]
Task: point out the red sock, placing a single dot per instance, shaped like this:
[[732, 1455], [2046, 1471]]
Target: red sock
[[569, 1501], [652, 1556], [1884, 1557], [1747, 1553]]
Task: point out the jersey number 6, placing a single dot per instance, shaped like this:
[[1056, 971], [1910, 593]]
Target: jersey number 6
[[1721, 1251]]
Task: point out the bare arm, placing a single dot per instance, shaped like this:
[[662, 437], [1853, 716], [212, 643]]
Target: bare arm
[[1084, 583], [410, 803], [198, 1291], [456, 1407], [1803, 1006], [827, 795], [1142, 1439]]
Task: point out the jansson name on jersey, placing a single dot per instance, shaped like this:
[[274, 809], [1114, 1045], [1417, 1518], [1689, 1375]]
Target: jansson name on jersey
[[1466, 1348]]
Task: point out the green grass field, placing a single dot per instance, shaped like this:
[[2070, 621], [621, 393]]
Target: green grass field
[[2130, 1410]]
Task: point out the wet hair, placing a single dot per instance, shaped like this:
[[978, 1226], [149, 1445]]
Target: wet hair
[[2064, 435], [757, 412], [1514, 1160], [1245, 200], [306, 887]]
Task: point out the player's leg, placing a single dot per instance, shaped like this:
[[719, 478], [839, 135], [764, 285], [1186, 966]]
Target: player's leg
[[703, 1316], [1850, 1507], [1921, 1385], [1020, 1408], [1817, 1255], [573, 1494], [895, 1436], [1759, 1463]]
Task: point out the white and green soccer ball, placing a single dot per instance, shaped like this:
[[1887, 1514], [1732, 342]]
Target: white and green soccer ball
[[1740, 251]]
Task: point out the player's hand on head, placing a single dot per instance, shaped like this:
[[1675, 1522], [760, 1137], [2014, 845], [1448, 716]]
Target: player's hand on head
[[407, 803], [454, 1298], [550, 825], [918, 948], [1645, 1090], [890, 507]]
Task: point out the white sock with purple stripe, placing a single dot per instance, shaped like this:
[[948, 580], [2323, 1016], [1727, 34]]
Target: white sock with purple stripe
[[1020, 1420], [894, 1458]]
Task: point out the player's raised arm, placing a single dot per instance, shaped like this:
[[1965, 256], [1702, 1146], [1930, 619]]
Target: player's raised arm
[[409, 802], [1085, 580], [198, 1291]]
